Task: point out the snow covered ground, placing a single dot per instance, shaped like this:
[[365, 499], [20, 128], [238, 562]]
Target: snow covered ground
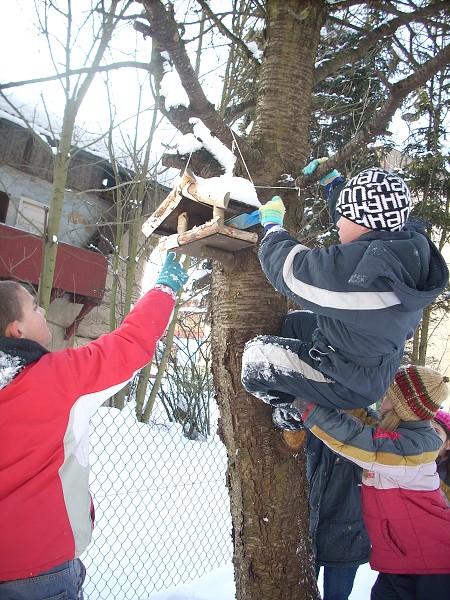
[[162, 508], [222, 582], [162, 514]]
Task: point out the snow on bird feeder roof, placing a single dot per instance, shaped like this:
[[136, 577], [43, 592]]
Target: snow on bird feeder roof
[[194, 214], [192, 217]]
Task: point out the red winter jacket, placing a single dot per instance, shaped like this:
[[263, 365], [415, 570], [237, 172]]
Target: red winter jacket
[[44, 448]]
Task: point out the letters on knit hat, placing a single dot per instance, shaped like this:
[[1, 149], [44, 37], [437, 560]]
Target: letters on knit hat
[[417, 393], [375, 199]]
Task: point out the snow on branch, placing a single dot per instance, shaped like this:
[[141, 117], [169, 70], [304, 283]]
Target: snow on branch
[[171, 88], [203, 138]]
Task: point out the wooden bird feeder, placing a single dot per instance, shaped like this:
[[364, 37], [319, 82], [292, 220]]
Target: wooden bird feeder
[[194, 222]]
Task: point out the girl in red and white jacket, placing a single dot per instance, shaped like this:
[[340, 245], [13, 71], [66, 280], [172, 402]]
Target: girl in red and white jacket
[[405, 512], [441, 424]]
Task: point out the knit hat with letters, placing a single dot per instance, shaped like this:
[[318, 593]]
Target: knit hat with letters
[[375, 199], [443, 418], [417, 393]]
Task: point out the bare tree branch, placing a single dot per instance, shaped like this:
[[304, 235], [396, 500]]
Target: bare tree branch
[[164, 31], [81, 71], [226, 32]]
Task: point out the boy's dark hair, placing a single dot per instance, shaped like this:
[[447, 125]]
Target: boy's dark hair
[[10, 306]]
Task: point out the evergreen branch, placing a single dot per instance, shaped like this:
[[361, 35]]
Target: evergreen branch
[[375, 36], [379, 124]]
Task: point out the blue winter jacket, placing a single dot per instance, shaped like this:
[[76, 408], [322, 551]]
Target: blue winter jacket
[[368, 296], [337, 529]]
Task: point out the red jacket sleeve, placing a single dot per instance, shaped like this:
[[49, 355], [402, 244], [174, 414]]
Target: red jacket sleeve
[[105, 365]]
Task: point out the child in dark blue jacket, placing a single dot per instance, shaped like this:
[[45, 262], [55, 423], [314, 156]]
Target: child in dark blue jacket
[[339, 537], [404, 508], [366, 296], [340, 540]]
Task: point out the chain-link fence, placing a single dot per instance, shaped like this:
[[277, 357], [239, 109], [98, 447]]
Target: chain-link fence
[[162, 507], [158, 474]]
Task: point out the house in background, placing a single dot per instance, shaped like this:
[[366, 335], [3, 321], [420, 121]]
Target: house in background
[[87, 235]]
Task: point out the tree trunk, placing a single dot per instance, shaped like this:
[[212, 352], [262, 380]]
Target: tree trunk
[[424, 333], [267, 482], [61, 167], [283, 107], [63, 156]]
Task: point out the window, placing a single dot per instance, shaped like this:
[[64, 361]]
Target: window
[[31, 215], [4, 203]]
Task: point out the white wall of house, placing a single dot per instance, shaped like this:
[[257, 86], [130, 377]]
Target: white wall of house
[[81, 211]]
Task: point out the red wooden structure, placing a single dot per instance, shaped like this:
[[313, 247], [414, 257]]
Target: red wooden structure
[[79, 272]]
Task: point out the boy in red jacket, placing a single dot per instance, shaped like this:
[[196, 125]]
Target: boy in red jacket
[[46, 402]]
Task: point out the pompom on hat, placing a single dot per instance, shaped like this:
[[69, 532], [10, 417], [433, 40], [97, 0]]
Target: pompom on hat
[[443, 418], [417, 393], [375, 199]]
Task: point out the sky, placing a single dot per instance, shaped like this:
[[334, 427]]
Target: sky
[[130, 92], [179, 493]]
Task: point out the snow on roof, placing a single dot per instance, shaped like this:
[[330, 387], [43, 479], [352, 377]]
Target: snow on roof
[[48, 126], [240, 189], [27, 114]]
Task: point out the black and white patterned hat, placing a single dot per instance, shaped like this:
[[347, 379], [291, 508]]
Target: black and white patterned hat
[[375, 199]]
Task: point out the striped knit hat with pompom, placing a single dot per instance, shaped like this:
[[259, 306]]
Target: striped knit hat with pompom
[[417, 393]]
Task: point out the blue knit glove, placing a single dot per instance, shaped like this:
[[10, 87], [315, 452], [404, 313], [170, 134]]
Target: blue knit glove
[[272, 212], [312, 166], [172, 274]]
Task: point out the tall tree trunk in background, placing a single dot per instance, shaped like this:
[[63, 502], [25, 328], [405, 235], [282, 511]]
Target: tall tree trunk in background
[[74, 97], [424, 332], [60, 170]]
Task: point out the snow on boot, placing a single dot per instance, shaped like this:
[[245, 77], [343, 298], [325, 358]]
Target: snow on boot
[[285, 416]]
